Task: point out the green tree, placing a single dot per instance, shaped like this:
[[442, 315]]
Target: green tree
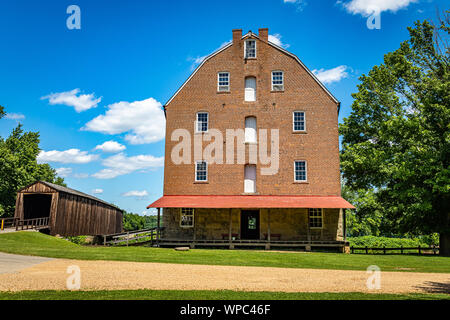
[[133, 221], [2, 112], [19, 167], [397, 139], [367, 219]]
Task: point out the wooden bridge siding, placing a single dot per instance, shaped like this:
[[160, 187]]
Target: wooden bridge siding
[[18, 213], [53, 210], [82, 216]]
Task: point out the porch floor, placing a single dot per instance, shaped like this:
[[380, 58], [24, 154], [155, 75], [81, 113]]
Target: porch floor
[[250, 243]]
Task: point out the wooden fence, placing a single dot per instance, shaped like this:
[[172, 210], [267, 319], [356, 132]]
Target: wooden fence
[[36, 224], [151, 235], [419, 249]]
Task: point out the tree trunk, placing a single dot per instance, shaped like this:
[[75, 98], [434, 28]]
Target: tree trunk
[[444, 244]]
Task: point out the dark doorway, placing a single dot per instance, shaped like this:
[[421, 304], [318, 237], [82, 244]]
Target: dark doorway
[[250, 224], [36, 206]]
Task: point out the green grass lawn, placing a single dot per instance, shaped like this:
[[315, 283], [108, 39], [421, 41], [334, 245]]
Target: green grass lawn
[[33, 243], [208, 295]]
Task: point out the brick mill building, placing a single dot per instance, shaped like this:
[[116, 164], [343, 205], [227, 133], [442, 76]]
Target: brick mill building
[[252, 84]]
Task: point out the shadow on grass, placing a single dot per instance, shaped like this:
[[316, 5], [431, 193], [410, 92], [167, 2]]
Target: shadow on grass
[[435, 287]]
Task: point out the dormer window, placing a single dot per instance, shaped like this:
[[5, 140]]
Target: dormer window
[[223, 82], [250, 49]]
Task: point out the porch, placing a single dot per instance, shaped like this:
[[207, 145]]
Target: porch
[[263, 244], [253, 221]]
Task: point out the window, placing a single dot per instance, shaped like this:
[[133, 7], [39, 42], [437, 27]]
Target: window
[[223, 84], [277, 81], [250, 130], [186, 217], [299, 121], [315, 218], [300, 171], [202, 122], [250, 179], [250, 89], [250, 49], [201, 171]]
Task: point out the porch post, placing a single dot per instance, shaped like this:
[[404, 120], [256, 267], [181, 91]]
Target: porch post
[[158, 231], [192, 246], [268, 230], [344, 216], [230, 230]]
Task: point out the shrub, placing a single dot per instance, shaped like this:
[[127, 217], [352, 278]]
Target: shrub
[[380, 242], [78, 239]]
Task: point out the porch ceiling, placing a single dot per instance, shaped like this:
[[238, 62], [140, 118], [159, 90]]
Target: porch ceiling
[[251, 202]]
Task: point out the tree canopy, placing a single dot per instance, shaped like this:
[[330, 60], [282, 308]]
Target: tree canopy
[[396, 141], [19, 166], [133, 221]]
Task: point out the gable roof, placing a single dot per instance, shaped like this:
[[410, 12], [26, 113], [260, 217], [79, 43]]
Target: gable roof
[[251, 34], [59, 188]]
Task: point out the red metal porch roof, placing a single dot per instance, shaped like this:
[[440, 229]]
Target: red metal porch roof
[[251, 202]]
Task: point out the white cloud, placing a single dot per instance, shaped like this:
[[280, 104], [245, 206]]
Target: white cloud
[[63, 172], [110, 147], [143, 120], [81, 175], [299, 3], [81, 102], [14, 116], [67, 156], [276, 39], [368, 7], [331, 75], [97, 191], [120, 164], [136, 194]]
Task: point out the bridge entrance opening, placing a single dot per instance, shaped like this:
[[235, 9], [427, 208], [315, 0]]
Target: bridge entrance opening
[[36, 206]]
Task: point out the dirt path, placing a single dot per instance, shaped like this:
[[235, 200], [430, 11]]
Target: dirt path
[[114, 275]]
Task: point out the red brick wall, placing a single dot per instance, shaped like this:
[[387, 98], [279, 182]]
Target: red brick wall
[[273, 110]]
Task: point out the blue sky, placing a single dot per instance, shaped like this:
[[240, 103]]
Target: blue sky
[[106, 81]]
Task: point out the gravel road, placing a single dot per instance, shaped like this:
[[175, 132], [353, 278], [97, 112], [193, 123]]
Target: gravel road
[[115, 275]]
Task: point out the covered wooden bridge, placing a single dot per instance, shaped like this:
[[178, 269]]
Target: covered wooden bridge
[[64, 211]]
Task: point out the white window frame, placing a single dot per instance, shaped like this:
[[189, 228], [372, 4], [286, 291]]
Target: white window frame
[[189, 215], [245, 49], [306, 171], [293, 121], [253, 99], [197, 122], [246, 131], [315, 217], [218, 82], [282, 80], [254, 181], [196, 171]]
